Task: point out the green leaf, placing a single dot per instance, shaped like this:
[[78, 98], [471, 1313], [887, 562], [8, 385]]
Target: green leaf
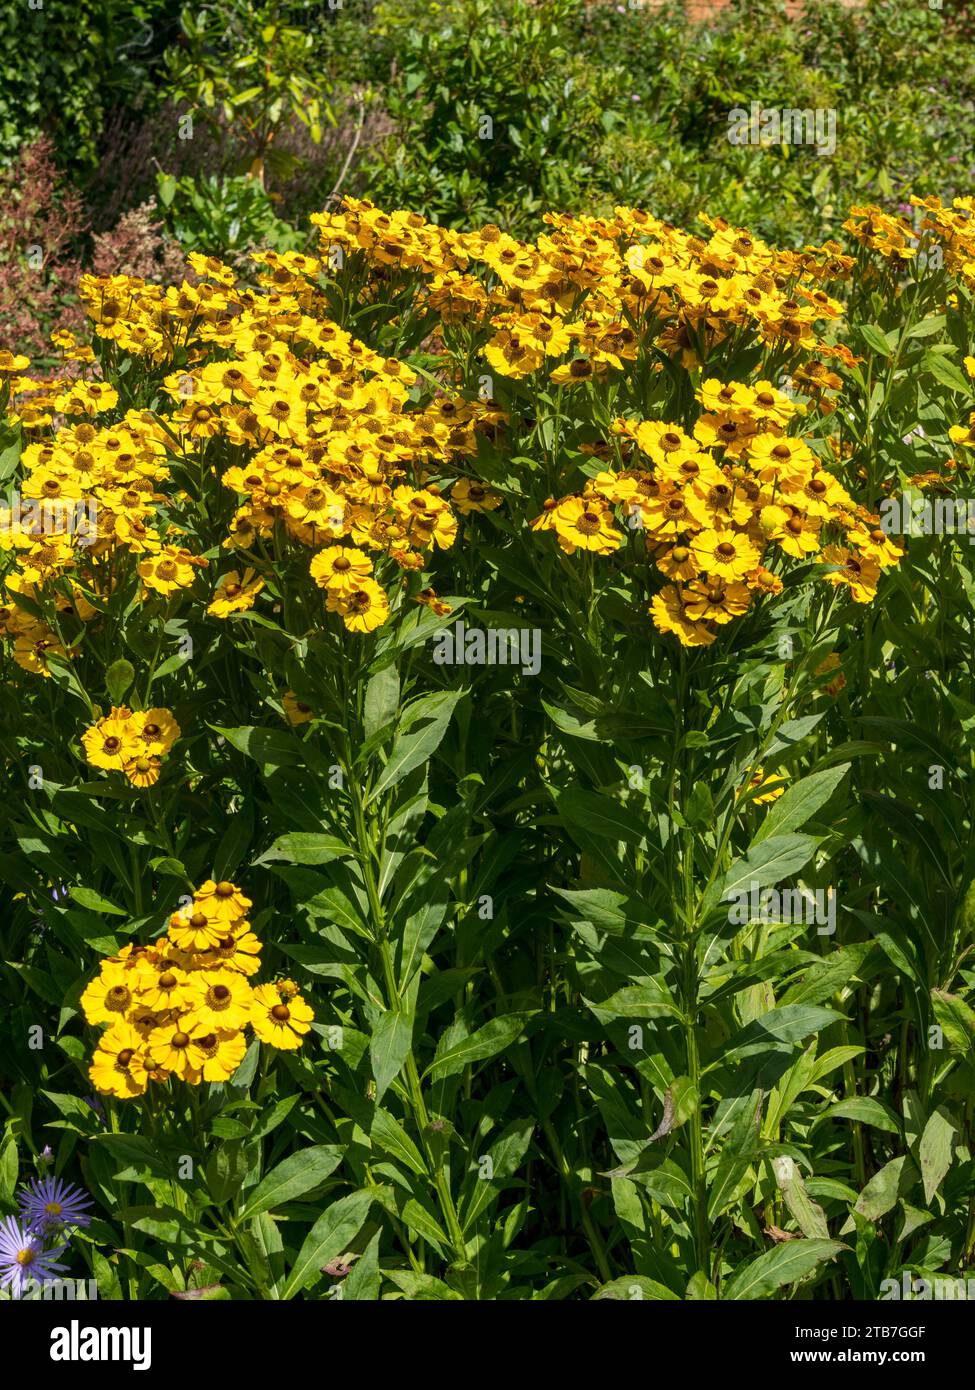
[[413, 746], [293, 1176], [331, 1236], [8, 1168], [767, 862], [956, 1019], [388, 1134], [789, 1024], [800, 801], [636, 1288], [381, 700], [875, 338], [808, 1215], [87, 897], [118, 679], [600, 815], [486, 1042], [365, 1278], [945, 371], [935, 1150], [305, 848], [786, 1264], [389, 1047], [269, 747], [865, 1110], [895, 1179]]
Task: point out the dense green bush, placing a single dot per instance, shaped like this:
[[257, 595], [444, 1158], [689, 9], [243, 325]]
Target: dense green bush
[[70, 61]]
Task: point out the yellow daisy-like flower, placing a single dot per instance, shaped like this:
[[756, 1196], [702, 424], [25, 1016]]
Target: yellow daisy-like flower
[[340, 568], [235, 593], [281, 1024], [716, 600], [586, 524], [860, 573], [223, 1051], [112, 741], [363, 608], [109, 996], [195, 931], [118, 1067], [144, 769], [175, 1046], [468, 496], [725, 554], [679, 563], [295, 711], [239, 952], [168, 988], [669, 613], [219, 998], [167, 571], [157, 729], [222, 903]]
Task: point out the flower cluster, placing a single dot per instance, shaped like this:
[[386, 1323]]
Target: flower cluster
[[30, 1246], [181, 1007], [131, 743], [719, 506], [276, 431]]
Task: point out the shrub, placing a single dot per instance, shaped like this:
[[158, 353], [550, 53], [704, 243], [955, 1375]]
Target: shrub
[[482, 631]]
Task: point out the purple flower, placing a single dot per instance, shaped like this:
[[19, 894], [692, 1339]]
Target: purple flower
[[49, 1204], [23, 1259], [95, 1104]]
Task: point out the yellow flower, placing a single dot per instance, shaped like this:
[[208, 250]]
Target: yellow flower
[[716, 600], [195, 931], [724, 554], [221, 902], [163, 988], [235, 593], [219, 998], [223, 1051], [157, 729], [143, 770], [281, 1024], [669, 614], [586, 524], [169, 570], [175, 1046], [468, 496], [678, 563], [113, 741], [340, 568], [109, 996], [860, 573], [118, 1068], [363, 608], [294, 710], [238, 952]]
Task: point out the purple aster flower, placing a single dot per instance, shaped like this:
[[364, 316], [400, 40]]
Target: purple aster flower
[[95, 1104], [50, 1203], [23, 1259]]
